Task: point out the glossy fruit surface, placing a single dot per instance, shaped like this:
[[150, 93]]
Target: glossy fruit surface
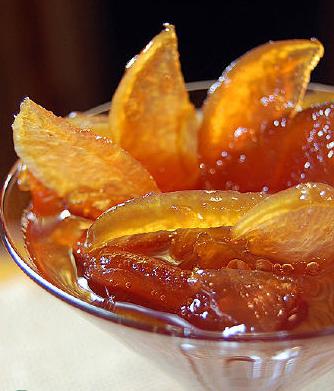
[[170, 211], [152, 118], [88, 171], [307, 148], [207, 299], [292, 226], [245, 110]]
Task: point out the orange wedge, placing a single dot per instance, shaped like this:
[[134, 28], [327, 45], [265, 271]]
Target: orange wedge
[[89, 171], [170, 211], [152, 118], [99, 124], [245, 107], [292, 226]]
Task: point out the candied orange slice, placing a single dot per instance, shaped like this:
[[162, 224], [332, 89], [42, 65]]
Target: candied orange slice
[[99, 124], [292, 226], [170, 211], [152, 118], [245, 107], [89, 171]]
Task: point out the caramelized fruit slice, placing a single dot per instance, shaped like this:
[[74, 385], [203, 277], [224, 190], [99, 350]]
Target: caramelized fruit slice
[[209, 300], [152, 118], [244, 108], [307, 150], [99, 124], [292, 226], [89, 171], [170, 211]]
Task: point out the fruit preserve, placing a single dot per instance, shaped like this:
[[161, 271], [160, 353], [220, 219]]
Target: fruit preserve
[[218, 219], [207, 276]]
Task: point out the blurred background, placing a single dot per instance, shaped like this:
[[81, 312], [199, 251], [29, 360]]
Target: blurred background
[[70, 54]]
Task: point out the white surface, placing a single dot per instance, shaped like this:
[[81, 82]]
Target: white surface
[[45, 345]]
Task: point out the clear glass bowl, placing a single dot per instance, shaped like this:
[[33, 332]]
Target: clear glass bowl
[[200, 360]]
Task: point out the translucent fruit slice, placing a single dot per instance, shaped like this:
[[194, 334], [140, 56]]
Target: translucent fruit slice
[[210, 300], [152, 118], [245, 107], [99, 124], [307, 150], [292, 226], [170, 211], [89, 171]]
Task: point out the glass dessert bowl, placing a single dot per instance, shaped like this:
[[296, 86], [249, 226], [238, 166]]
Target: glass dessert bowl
[[256, 339], [197, 358]]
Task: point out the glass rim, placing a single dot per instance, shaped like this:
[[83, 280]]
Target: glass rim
[[205, 84], [167, 329]]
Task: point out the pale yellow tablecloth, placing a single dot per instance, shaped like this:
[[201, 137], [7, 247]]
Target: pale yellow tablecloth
[[46, 346]]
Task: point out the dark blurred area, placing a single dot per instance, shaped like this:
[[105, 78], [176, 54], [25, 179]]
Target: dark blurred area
[[70, 54]]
